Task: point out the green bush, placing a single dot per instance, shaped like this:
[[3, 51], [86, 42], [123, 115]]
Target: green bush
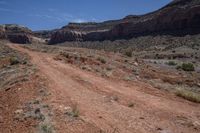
[[14, 61], [172, 63], [187, 67]]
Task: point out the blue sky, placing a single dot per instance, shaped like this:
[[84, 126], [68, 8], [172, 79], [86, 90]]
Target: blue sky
[[50, 14]]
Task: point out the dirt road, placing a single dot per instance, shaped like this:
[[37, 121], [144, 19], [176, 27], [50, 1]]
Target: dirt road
[[112, 106]]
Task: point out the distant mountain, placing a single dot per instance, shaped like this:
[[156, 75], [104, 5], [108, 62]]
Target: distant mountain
[[180, 17], [46, 34]]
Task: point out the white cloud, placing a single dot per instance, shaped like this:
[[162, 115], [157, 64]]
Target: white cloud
[[79, 20]]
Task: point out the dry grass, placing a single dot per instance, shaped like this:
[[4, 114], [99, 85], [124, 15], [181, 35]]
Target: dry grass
[[188, 95]]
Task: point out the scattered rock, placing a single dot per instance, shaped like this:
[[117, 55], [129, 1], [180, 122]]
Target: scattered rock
[[67, 110], [136, 64], [19, 111], [196, 125], [165, 131]]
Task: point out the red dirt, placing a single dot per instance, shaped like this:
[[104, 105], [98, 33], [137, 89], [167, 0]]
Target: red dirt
[[154, 111], [13, 99]]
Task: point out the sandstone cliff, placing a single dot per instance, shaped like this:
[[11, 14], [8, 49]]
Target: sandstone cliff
[[179, 17]]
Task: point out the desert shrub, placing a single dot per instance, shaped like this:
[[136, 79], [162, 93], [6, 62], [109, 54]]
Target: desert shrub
[[173, 51], [14, 61], [46, 128], [102, 60], [129, 53], [24, 62], [75, 111], [178, 67], [188, 95], [157, 55], [66, 55], [169, 57], [172, 63], [174, 57], [187, 67]]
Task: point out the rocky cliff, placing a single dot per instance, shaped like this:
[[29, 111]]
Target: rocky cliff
[[179, 17], [83, 31], [15, 33]]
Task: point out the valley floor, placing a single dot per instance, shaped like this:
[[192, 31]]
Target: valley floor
[[84, 102]]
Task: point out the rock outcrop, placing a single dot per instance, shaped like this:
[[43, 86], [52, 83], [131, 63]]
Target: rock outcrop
[[15, 33], [19, 38], [180, 17]]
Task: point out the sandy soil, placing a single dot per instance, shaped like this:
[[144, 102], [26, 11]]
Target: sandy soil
[[152, 111]]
